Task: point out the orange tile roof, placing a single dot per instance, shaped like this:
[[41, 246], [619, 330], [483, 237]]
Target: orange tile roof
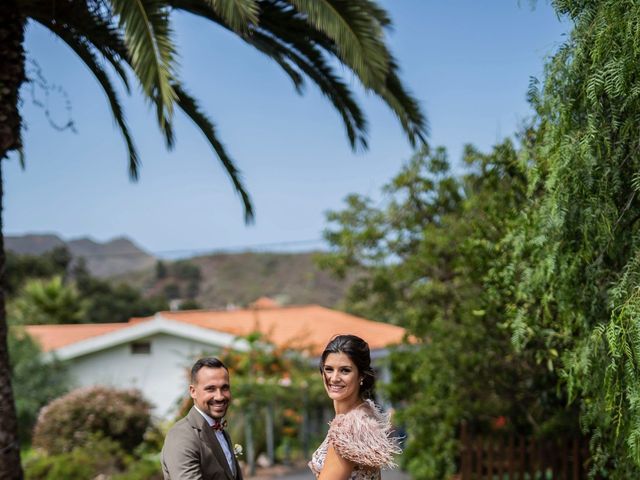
[[308, 326], [297, 327], [264, 302], [51, 337]]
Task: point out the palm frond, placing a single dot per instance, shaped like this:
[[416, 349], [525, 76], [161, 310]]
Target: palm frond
[[96, 25], [80, 46], [267, 48], [405, 107], [287, 27], [239, 15], [293, 46], [190, 107], [357, 34], [310, 60], [21, 156], [147, 35]]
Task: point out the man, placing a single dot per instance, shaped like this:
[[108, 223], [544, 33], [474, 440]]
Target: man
[[197, 447]]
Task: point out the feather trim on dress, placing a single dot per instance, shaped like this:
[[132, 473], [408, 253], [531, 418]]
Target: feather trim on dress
[[363, 436]]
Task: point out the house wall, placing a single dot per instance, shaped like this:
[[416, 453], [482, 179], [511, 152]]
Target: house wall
[[161, 375]]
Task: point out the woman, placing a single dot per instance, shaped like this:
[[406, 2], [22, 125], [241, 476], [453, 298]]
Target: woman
[[358, 444]]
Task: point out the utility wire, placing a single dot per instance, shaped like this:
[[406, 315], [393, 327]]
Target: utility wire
[[192, 252]]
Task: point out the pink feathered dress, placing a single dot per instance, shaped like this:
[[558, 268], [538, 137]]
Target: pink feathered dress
[[362, 436]]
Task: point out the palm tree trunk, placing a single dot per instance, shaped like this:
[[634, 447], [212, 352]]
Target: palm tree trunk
[[12, 25]]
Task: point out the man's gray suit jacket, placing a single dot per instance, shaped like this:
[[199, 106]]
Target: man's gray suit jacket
[[191, 451]]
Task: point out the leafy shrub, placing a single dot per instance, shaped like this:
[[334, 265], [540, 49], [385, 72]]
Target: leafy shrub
[[69, 421], [29, 374], [143, 469], [98, 456]]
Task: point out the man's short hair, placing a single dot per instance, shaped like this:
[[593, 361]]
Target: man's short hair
[[209, 362]]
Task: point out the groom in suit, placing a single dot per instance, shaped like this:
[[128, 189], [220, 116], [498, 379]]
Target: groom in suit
[[197, 447]]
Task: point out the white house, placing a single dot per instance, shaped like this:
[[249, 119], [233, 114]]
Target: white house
[[155, 354]]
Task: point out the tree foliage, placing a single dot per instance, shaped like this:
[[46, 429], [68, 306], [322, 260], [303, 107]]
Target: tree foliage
[[44, 291], [521, 282], [24, 267], [576, 251], [35, 381], [427, 254], [47, 302], [306, 39], [309, 40], [109, 303]]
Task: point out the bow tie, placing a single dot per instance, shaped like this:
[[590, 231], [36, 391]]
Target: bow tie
[[219, 425]]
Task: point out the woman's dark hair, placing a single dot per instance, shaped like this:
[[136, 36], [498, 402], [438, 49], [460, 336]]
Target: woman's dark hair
[[358, 352]]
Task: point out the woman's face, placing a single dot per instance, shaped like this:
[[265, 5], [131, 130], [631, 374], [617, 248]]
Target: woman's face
[[341, 377]]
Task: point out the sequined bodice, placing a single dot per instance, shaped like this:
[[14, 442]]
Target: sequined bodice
[[359, 473]]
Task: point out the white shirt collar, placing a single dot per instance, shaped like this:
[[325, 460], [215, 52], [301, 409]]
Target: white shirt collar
[[209, 420]]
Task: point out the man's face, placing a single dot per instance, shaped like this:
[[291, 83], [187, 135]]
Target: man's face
[[211, 391]]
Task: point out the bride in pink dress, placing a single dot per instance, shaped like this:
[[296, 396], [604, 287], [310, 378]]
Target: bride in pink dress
[[359, 443]]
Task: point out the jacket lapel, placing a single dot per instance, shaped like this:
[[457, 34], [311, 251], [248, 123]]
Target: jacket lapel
[[235, 459], [209, 437]]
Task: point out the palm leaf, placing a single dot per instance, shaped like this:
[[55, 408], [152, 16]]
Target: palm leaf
[[189, 106], [96, 25], [239, 15], [84, 51], [405, 107], [147, 35], [310, 60], [357, 34], [284, 35], [286, 27]]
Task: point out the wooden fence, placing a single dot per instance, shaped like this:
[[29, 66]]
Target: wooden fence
[[511, 457]]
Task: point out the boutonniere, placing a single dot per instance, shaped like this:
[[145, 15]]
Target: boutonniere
[[237, 450]]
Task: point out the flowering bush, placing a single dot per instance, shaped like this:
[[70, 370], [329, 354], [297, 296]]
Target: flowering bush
[[69, 421]]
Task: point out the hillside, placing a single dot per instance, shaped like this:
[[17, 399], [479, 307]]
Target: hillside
[[240, 278], [115, 257]]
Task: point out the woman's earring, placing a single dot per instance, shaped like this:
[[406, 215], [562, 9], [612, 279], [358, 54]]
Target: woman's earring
[[361, 381]]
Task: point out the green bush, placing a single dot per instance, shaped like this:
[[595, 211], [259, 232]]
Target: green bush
[[29, 374], [69, 421], [98, 456], [143, 469]]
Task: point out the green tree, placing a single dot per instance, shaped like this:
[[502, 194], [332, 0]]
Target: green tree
[[23, 267], [189, 304], [47, 302], [308, 39], [575, 252], [161, 270], [35, 381], [186, 270], [108, 303], [172, 291], [427, 259]]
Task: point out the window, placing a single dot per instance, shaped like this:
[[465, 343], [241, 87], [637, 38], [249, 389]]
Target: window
[[141, 348]]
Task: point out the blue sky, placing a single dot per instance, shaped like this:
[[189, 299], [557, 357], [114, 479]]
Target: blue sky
[[468, 62]]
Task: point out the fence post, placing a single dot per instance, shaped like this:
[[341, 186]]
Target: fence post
[[270, 432], [523, 448], [248, 433], [479, 458], [465, 457], [511, 457]]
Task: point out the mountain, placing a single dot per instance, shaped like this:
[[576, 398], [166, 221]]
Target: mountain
[[237, 279], [218, 280], [32, 244], [115, 257]]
